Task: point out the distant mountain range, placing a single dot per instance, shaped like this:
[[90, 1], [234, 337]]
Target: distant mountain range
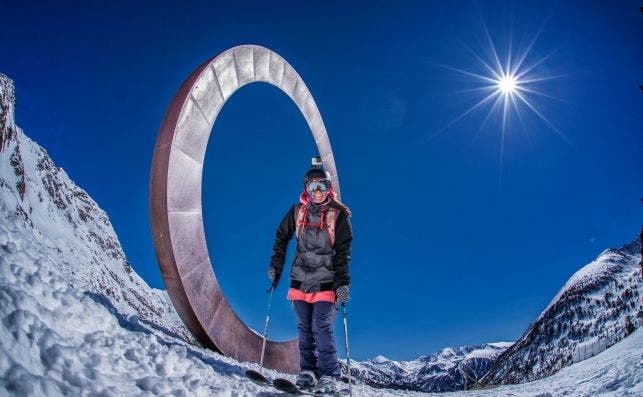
[[43, 208], [448, 370]]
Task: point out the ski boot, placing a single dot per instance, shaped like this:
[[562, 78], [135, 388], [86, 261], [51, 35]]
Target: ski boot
[[326, 385], [306, 380]]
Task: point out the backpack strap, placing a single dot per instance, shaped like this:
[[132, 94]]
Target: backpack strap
[[331, 217], [329, 222], [300, 218]]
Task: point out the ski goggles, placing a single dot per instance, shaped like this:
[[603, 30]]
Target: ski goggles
[[323, 185]]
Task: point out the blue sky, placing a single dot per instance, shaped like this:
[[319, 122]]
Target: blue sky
[[455, 243]]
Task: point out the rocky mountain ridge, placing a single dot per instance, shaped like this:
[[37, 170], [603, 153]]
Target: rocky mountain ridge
[[599, 305], [43, 203]]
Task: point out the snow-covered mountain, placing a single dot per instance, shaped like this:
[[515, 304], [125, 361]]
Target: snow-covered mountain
[[75, 319], [42, 207], [450, 369], [597, 307]]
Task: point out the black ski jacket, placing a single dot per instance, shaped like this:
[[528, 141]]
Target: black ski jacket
[[317, 265]]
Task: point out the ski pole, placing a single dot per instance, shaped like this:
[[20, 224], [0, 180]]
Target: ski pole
[[265, 331], [348, 356]]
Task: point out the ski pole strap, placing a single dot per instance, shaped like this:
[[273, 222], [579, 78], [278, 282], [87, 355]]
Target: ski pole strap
[[339, 305]]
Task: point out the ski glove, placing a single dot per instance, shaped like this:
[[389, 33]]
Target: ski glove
[[342, 294], [273, 276]]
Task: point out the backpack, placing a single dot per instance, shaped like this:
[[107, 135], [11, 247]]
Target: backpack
[[329, 221]]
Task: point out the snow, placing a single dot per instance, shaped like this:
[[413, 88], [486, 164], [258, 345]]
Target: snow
[[491, 350], [618, 371], [380, 359], [57, 339]]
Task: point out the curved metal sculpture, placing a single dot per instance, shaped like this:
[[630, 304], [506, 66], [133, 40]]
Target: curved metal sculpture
[[175, 197]]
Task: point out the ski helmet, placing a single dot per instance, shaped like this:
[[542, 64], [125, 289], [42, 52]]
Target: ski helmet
[[316, 171]]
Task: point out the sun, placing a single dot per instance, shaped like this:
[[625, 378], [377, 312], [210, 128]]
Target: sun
[[507, 85]]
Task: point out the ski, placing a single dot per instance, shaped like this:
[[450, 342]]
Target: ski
[[287, 386], [258, 378], [342, 392]]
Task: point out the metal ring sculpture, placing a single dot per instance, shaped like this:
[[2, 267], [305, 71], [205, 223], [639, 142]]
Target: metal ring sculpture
[[175, 197]]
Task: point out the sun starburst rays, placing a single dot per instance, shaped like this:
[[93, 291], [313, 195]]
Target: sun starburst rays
[[508, 85]]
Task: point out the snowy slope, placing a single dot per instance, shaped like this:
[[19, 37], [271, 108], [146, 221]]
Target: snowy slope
[[618, 371], [77, 320]]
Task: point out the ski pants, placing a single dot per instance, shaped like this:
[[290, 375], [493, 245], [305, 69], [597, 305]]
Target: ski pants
[[317, 351]]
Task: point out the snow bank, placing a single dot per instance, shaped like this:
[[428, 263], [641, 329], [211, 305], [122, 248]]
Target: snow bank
[[58, 340]]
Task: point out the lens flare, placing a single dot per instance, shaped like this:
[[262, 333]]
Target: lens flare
[[507, 87]]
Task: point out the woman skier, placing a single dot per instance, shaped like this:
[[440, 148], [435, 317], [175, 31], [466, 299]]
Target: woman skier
[[319, 275]]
